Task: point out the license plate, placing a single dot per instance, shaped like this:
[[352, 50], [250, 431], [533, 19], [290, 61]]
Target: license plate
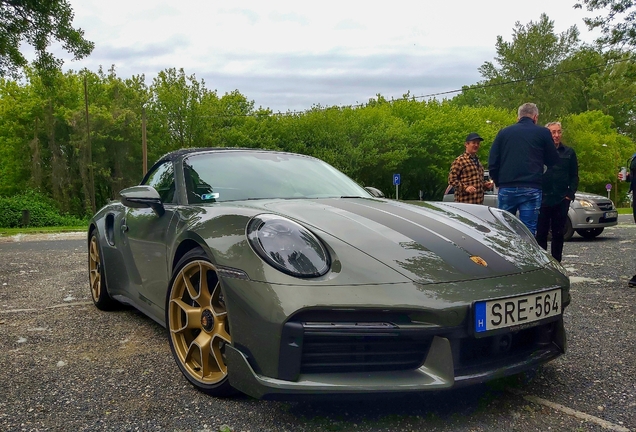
[[516, 311], [611, 214]]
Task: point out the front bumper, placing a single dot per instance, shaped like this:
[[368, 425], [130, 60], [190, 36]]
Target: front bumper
[[443, 367], [587, 219], [355, 340]]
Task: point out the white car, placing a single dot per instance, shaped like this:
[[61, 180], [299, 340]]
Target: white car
[[588, 216]]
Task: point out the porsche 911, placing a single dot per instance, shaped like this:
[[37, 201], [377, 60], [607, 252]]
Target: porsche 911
[[277, 276]]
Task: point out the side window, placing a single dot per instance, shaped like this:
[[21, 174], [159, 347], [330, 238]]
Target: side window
[[197, 189], [162, 179]]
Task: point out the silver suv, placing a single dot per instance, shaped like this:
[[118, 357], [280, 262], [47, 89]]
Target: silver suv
[[588, 216]]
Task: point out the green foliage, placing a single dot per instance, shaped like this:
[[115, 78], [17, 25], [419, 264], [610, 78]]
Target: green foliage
[[600, 150], [515, 77], [612, 90], [38, 23], [49, 143], [15, 108], [558, 74], [618, 26], [42, 211]]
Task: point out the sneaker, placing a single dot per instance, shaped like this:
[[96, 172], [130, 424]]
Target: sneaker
[[632, 282]]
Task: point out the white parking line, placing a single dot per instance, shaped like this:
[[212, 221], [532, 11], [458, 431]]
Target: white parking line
[[569, 411]]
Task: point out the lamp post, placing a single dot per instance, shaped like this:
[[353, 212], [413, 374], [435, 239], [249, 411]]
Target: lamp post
[[144, 144]]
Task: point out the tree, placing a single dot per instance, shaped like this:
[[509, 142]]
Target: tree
[[16, 133], [526, 69], [560, 75], [612, 90], [37, 23], [618, 26], [175, 112], [600, 149]]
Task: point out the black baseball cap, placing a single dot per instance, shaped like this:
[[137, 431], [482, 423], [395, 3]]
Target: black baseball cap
[[473, 137]]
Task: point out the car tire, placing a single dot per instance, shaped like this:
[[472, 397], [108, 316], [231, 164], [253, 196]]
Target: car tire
[[97, 282], [590, 233], [197, 324], [569, 231]]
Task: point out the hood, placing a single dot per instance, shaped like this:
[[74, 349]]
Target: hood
[[433, 243], [590, 196]]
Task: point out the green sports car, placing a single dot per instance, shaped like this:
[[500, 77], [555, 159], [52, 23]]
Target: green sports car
[[276, 275]]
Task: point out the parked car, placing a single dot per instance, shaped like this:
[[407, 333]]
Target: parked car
[[277, 275], [588, 216]]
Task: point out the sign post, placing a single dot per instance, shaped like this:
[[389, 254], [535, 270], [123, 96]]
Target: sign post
[[609, 188], [396, 182]]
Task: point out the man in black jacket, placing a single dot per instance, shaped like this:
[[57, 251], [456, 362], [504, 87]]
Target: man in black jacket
[[516, 164], [560, 183], [631, 178]]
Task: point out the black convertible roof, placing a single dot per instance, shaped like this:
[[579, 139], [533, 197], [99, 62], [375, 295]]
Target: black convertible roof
[[185, 151]]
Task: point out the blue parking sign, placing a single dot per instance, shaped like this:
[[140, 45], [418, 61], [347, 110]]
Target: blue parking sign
[[396, 179]]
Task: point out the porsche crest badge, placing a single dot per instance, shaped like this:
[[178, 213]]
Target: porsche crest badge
[[479, 260]]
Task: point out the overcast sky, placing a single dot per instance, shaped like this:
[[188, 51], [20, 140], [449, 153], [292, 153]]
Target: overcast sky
[[291, 55]]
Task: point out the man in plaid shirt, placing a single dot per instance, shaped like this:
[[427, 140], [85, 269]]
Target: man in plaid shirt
[[467, 174]]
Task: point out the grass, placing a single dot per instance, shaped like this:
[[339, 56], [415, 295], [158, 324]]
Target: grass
[[624, 210], [29, 230]]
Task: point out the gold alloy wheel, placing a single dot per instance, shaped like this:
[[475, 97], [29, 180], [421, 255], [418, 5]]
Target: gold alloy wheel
[[197, 321], [94, 269]]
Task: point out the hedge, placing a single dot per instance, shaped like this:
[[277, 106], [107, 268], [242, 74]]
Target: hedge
[[42, 211]]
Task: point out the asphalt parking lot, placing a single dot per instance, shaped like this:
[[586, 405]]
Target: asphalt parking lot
[[64, 365]]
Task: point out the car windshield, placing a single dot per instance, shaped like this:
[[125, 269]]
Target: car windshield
[[238, 175]]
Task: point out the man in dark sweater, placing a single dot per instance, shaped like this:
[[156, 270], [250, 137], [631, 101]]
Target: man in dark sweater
[[560, 183], [516, 164]]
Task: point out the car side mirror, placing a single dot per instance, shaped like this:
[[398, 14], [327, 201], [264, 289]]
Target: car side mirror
[[374, 191], [142, 196]]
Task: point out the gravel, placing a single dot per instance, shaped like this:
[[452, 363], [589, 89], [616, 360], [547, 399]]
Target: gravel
[[64, 365]]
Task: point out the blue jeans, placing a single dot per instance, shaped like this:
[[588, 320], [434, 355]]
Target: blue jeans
[[527, 201]]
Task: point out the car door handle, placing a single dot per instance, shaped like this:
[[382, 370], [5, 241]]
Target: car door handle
[[124, 227]]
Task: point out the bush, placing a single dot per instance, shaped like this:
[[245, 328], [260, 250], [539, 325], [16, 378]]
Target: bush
[[42, 211]]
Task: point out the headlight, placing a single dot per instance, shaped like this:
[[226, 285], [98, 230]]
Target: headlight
[[586, 203], [513, 224], [288, 246]]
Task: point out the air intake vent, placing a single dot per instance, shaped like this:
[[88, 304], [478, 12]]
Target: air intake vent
[[361, 350]]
